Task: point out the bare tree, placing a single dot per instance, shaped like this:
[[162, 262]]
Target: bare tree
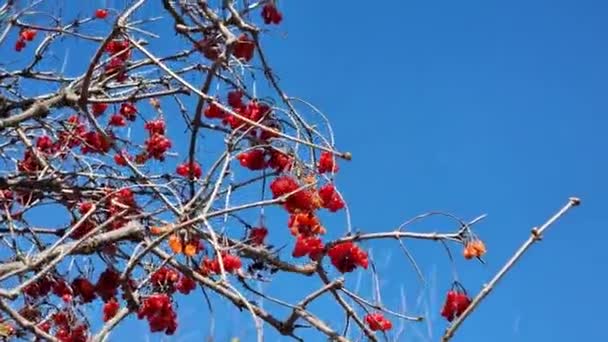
[[154, 213]]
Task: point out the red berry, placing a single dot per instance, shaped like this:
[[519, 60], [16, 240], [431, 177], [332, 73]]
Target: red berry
[[244, 47], [271, 14], [235, 98], [253, 159], [110, 309], [128, 110], [257, 235], [330, 198], [189, 170], [121, 158], [101, 13], [346, 256], [327, 163], [377, 321], [214, 112], [99, 108], [117, 120], [28, 34], [19, 45]]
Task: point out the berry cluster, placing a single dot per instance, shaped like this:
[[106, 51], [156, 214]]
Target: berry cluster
[[158, 143], [26, 35], [257, 235], [346, 256], [271, 14], [189, 246], [158, 310], [456, 302], [231, 263], [377, 322], [120, 52], [474, 249], [190, 170]]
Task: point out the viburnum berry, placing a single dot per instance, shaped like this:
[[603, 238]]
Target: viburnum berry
[[210, 48], [164, 280], [156, 126], [121, 158], [19, 45], [376, 321], [253, 159], [185, 284], [283, 185], [128, 110], [213, 111], [110, 309], [235, 98], [96, 143], [28, 34], [44, 144], [244, 47], [305, 224], [157, 145], [189, 170], [101, 13], [117, 120], [84, 289], [118, 46], [45, 326], [98, 108], [62, 289], [456, 302], [158, 309], [279, 161], [311, 246], [257, 235], [107, 284], [271, 14], [232, 263], [346, 256], [327, 163], [330, 199], [474, 249]]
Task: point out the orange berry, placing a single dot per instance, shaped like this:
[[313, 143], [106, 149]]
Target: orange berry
[[190, 250], [175, 243], [468, 253]]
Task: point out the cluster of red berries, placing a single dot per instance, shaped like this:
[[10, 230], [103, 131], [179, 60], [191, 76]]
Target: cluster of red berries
[[68, 328], [120, 52], [330, 198], [158, 143], [84, 289], [232, 263], [72, 135], [26, 35], [110, 309], [127, 111], [95, 142], [346, 256], [327, 163], [158, 310], [244, 47], [456, 302], [253, 110], [190, 170], [271, 14], [257, 235], [377, 322], [308, 245]]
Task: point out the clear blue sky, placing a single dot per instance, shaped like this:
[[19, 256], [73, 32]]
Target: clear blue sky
[[468, 107]]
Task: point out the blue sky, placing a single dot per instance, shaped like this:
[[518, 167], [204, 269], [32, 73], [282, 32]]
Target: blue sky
[[468, 107]]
